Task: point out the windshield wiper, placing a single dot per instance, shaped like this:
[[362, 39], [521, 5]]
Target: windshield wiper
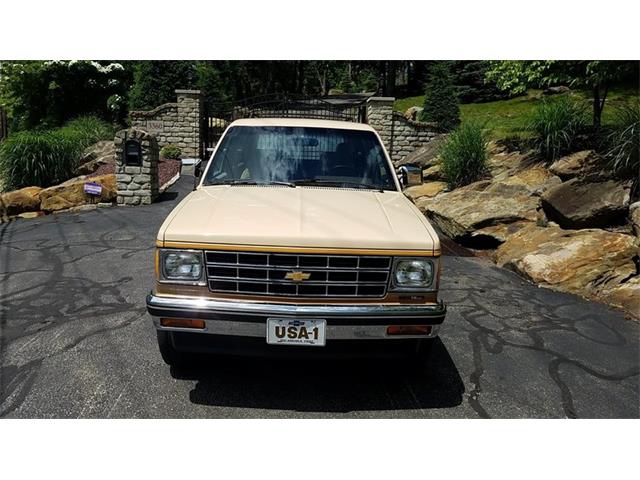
[[255, 182], [315, 181]]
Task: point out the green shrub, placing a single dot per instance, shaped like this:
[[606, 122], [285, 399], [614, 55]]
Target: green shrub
[[440, 101], [554, 126], [41, 158], [48, 157], [623, 153], [89, 130], [463, 155], [171, 151], [45, 94]]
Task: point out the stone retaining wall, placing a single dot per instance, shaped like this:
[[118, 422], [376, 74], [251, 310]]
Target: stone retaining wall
[[175, 123], [399, 135]]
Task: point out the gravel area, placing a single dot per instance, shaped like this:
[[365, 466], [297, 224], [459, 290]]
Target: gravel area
[[167, 169]]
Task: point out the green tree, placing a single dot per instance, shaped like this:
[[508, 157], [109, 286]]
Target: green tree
[[596, 75], [470, 84], [440, 101], [210, 83], [155, 82], [46, 94]]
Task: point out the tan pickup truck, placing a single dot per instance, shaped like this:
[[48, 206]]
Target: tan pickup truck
[[297, 238]]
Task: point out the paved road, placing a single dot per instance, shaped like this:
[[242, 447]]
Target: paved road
[[76, 342]]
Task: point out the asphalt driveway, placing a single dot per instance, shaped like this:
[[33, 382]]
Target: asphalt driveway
[[76, 341]]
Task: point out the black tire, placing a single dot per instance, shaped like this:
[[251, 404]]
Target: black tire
[[170, 355], [424, 349], [420, 355]]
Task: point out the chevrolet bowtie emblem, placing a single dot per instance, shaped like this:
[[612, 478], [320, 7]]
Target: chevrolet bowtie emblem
[[297, 276]]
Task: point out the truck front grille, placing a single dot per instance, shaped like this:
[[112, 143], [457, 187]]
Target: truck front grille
[[297, 275]]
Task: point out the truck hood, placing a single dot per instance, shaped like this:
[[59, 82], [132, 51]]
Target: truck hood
[[299, 217]]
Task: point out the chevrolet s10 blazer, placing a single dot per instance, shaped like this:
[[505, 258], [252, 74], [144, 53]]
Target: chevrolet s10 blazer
[[296, 238]]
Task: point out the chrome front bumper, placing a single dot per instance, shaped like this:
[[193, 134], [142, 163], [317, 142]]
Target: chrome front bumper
[[248, 319]]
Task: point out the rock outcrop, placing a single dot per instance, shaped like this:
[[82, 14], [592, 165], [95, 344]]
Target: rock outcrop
[[592, 262], [587, 203], [575, 165], [534, 180], [412, 113], [460, 212], [430, 189], [98, 154], [20, 201], [634, 218], [71, 193], [432, 173]]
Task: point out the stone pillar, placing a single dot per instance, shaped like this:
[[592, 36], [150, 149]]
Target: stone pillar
[[380, 117], [189, 122], [137, 184]]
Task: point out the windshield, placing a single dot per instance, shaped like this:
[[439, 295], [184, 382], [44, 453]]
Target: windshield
[[300, 156]]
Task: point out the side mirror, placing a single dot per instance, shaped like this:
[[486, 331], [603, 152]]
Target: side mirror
[[410, 175]]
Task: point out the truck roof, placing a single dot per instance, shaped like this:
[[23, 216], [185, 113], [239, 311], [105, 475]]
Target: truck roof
[[300, 122]]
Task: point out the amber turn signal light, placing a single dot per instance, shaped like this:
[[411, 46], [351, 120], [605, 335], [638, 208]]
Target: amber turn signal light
[[181, 323], [409, 330]]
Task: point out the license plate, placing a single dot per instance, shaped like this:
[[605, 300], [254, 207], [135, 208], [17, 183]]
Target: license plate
[[288, 331]]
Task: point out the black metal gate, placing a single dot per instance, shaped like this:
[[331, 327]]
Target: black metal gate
[[218, 116]]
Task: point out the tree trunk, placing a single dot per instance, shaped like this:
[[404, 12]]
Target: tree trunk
[[599, 98]]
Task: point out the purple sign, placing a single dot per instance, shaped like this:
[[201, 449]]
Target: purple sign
[[92, 188]]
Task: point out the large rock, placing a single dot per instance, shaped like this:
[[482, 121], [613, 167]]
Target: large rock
[[494, 235], [462, 211], [591, 262], [625, 295], [634, 217], [71, 194], [583, 203], [502, 160], [426, 155], [556, 90], [19, 201], [429, 189], [96, 155], [412, 113], [576, 164], [533, 180], [433, 173]]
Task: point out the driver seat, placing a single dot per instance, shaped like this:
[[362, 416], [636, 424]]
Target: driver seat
[[342, 162]]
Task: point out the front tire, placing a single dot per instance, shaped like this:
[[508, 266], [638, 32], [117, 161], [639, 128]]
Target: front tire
[[170, 355], [420, 355], [424, 349]]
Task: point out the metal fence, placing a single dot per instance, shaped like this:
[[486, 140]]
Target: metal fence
[[4, 131], [218, 116]]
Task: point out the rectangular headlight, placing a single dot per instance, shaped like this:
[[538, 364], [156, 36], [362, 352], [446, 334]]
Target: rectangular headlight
[[413, 273], [182, 266]]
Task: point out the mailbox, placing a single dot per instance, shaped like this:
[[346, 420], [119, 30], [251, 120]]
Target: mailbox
[[132, 153]]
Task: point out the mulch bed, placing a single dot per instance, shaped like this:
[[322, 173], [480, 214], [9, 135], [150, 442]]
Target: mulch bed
[[167, 169]]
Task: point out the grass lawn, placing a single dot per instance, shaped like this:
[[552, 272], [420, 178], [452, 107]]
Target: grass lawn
[[506, 118]]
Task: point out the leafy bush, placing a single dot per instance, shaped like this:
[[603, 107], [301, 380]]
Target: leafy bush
[[555, 125], [623, 153], [440, 101], [41, 158], [45, 94], [48, 157], [463, 155], [171, 151], [89, 129]]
